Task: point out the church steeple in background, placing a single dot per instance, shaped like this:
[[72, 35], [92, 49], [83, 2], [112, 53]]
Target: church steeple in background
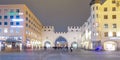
[[94, 2]]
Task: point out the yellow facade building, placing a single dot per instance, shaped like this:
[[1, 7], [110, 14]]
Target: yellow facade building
[[103, 25]]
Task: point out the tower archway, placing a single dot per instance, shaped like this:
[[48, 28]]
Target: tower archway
[[61, 42], [74, 45], [47, 44]]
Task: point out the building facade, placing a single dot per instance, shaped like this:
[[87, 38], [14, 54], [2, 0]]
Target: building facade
[[50, 38], [102, 26], [18, 25]]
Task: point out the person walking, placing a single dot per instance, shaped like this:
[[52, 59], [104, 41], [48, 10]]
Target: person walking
[[71, 49]]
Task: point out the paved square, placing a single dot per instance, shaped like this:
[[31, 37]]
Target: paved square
[[60, 55]]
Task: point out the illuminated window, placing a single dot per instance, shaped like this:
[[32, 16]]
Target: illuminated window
[[113, 1], [105, 16], [5, 17], [113, 16], [114, 34], [114, 26], [11, 17], [5, 30], [11, 23], [105, 9], [17, 23], [17, 16], [106, 34], [113, 9], [0, 17], [105, 25], [5, 23]]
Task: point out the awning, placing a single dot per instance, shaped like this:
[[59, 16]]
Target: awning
[[12, 40]]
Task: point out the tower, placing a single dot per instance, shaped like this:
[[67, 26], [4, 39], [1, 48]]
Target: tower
[[94, 1]]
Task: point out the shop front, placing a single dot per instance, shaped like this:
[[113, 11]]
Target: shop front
[[110, 46]]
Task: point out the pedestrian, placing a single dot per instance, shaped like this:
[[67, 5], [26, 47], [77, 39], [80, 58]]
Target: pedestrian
[[44, 47], [71, 49]]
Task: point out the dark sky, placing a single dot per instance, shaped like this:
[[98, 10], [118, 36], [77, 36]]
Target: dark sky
[[58, 13]]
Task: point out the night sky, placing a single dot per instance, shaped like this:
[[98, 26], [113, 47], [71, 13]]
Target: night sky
[[58, 13]]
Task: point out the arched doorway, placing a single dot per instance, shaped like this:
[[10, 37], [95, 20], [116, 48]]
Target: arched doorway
[[47, 44], [74, 45], [110, 46], [61, 42]]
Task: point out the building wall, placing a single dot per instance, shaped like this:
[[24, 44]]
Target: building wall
[[101, 15], [49, 34], [28, 28]]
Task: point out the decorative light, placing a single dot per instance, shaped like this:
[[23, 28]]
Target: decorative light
[[16, 26], [20, 13], [17, 19], [15, 13], [12, 13]]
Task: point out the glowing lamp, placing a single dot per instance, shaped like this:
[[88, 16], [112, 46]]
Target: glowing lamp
[[20, 13]]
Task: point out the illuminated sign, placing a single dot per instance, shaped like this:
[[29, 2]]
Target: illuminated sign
[[14, 13], [17, 26], [17, 19]]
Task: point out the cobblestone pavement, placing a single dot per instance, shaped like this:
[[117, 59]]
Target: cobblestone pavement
[[60, 55]]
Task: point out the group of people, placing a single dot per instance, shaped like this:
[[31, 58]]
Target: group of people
[[61, 48]]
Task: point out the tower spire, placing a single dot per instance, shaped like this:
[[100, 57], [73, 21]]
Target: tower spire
[[94, 2]]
